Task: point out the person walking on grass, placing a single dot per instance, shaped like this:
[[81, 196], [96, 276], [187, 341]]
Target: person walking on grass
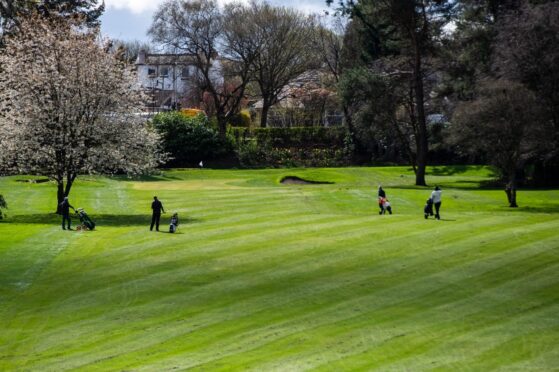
[[381, 195], [436, 198], [156, 208], [65, 211], [386, 207]]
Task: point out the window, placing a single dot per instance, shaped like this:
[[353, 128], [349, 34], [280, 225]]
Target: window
[[164, 71], [185, 73], [151, 71]]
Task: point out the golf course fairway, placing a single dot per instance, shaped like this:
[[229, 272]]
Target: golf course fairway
[[267, 276]]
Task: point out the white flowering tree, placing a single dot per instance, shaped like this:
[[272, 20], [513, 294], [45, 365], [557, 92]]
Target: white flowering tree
[[68, 107]]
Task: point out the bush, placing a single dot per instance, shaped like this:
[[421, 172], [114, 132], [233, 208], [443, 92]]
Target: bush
[[242, 120], [192, 112], [300, 137], [188, 140], [250, 155]]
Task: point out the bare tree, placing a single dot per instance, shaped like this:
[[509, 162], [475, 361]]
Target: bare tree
[[286, 50], [67, 107], [217, 40], [328, 42], [504, 124], [128, 50]]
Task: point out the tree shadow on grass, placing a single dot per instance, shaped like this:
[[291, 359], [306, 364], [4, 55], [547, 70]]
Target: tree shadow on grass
[[113, 220], [148, 178], [551, 209], [451, 170], [468, 185]]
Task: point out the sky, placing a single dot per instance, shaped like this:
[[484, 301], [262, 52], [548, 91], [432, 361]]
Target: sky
[[130, 19]]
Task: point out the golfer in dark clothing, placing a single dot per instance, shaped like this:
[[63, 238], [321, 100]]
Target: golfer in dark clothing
[[156, 208], [380, 196], [65, 210]]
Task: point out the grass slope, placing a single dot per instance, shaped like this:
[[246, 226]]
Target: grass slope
[[263, 276]]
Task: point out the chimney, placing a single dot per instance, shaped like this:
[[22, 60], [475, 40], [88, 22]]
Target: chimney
[[141, 57]]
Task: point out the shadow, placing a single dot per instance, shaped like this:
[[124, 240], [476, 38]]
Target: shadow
[[148, 178], [37, 180], [451, 170], [455, 185], [552, 209], [100, 219]]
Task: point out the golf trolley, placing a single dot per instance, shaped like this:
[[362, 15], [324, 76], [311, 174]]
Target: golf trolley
[[86, 223]]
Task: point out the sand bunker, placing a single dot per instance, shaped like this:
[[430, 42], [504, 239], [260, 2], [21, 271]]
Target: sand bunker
[[294, 180]]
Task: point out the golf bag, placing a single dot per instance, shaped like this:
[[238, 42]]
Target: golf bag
[[86, 223], [428, 209], [173, 226]]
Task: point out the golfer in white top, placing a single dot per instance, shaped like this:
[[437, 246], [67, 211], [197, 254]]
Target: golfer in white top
[[436, 197]]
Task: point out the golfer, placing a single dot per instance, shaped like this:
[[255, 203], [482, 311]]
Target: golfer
[[381, 195], [436, 197], [65, 211], [156, 208]]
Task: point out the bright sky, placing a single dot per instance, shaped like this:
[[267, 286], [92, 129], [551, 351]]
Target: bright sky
[[130, 19]]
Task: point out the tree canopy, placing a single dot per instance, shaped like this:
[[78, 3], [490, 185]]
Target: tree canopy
[[68, 107]]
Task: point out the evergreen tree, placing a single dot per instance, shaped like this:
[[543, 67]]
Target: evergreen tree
[[11, 11], [401, 37]]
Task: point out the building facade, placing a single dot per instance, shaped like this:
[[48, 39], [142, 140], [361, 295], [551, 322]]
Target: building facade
[[168, 80]]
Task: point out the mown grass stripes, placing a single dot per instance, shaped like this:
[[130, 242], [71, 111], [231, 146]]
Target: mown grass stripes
[[268, 277]]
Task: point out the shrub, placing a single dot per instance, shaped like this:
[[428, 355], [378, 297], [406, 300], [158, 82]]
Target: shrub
[[242, 120], [192, 112], [292, 147], [188, 140]]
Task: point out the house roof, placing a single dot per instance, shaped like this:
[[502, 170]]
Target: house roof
[[164, 59]]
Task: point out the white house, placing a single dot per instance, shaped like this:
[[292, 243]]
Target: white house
[[169, 79]]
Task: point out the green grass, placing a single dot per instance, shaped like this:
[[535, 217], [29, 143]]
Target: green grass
[[263, 276]]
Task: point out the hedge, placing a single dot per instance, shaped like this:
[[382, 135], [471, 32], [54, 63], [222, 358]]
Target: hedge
[[294, 137], [291, 147]]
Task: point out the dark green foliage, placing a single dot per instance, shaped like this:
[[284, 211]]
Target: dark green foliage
[[509, 41], [188, 140], [3, 205], [241, 119], [88, 10], [402, 38], [527, 51], [374, 102], [291, 147], [302, 137], [251, 155], [504, 123]]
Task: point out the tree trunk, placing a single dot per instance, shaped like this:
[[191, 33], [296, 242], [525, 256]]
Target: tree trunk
[[510, 190], [422, 144], [222, 126], [64, 191], [350, 128], [264, 115], [59, 195]]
